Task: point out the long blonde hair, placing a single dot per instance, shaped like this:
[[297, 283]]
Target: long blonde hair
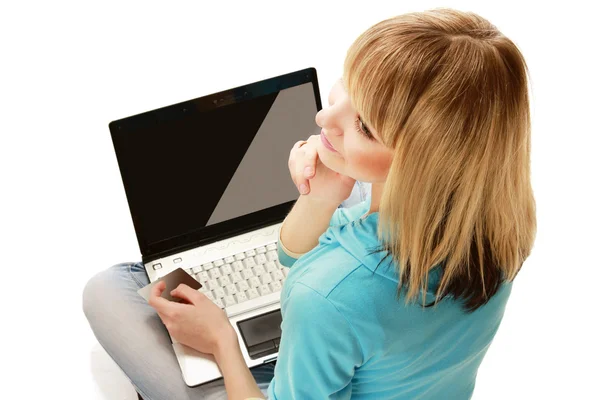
[[448, 92]]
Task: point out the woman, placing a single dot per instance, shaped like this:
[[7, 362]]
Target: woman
[[433, 111]]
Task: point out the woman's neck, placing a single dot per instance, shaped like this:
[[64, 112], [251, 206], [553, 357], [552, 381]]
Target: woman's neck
[[376, 190]]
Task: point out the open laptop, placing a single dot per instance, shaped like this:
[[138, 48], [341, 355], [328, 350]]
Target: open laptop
[[208, 186]]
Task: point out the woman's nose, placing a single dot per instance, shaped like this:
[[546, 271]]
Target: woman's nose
[[319, 118], [324, 119]]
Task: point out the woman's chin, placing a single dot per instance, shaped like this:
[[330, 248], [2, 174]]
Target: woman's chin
[[329, 164], [327, 155]]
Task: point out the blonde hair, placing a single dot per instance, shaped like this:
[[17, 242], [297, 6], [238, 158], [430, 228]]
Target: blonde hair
[[448, 93]]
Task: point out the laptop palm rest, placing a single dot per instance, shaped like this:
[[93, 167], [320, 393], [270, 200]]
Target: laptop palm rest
[[191, 360]]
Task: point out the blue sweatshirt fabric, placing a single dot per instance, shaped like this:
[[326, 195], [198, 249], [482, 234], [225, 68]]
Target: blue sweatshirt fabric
[[344, 334]]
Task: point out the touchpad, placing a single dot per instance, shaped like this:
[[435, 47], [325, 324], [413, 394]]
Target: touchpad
[[261, 334]]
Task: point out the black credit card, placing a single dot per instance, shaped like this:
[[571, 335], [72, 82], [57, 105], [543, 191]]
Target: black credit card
[[172, 279]]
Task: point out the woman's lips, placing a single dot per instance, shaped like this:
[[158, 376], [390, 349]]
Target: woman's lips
[[326, 142]]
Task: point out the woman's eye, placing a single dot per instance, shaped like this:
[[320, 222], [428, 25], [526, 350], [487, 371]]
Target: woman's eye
[[361, 128]]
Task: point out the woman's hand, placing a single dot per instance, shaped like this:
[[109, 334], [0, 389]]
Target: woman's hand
[[203, 326], [199, 324], [322, 183]]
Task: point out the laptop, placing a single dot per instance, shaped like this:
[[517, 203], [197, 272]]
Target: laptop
[[208, 187]]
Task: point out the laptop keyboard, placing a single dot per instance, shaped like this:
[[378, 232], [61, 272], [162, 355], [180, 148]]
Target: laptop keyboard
[[243, 278]]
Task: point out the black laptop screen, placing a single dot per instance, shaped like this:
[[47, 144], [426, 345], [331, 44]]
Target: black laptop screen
[[212, 162]]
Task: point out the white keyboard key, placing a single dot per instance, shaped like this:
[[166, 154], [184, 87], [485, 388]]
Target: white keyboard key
[[272, 255], [229, 259], [214, 273], [218, 263], [229, 301], [189, 271], [270, 266], [209, 295], [219, 303], [275, 286], [237, 266], [252, 293], [242, 286], [250, 253], [236, 277], [204, 290], [202, 276], [286, 271], [230, 290], [277, 275], [197, 269], [207, 266], [247, 273], [240, 256], [249, 262], [254, 282], [272, 246], [223, 281], [258, 270], [219, 293], [266, 278], [240, 297], [264, 289], [260, 259], [261, 250], [226, 269], [212, 284]]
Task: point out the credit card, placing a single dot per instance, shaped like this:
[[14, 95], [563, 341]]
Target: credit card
[[172, 279]]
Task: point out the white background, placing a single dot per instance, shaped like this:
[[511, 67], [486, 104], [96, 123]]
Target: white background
[[68, 69]]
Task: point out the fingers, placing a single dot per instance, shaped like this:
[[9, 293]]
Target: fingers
[[155, 300], [186, 293], [305, 169], [299, 144], [160, 304], [157, 289], [303, 162]]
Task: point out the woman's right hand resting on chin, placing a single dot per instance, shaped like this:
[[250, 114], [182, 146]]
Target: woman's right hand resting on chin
[[322, 184], [326, 190]]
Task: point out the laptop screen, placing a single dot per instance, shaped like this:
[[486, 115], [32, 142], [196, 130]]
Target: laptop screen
[[216, 166]]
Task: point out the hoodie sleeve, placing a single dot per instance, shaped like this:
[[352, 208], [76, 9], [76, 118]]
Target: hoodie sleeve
[[287, 258], [318, 351]]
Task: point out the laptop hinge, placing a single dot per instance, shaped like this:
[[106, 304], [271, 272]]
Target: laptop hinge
[[214, 238]]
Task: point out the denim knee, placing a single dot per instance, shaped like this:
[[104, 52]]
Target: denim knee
[[101, 293], [92, 300]]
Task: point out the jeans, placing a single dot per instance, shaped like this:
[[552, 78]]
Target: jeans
[[133, 335]]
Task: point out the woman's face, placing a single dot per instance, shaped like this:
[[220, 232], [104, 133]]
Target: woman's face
[[357, 156]]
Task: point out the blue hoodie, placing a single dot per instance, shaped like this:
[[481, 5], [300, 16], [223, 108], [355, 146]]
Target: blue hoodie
[[344, 334]]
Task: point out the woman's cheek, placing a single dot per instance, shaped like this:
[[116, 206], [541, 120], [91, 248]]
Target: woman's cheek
[[371, 167]]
